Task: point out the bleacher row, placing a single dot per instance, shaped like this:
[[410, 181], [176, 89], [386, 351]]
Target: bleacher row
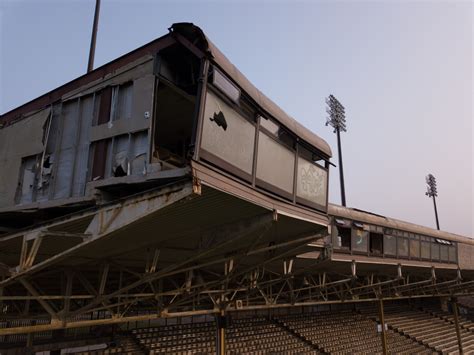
[[411, 331], [428, 325], [348, 332]]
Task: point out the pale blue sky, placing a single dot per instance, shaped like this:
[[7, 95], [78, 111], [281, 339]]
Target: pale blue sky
[[402, 69]]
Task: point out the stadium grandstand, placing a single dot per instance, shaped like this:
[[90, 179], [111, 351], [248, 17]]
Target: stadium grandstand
[[161, 204]]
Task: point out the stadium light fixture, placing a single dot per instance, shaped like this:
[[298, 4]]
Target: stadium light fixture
[[432, 191], [337, 120]]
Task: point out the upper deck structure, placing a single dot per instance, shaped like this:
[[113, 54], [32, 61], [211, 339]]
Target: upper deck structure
[[175, 107]]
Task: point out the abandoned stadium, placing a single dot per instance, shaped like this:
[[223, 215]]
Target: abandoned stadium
[[163, 204]]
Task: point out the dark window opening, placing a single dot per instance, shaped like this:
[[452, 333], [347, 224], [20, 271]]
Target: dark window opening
[[311, 155], [376, 243], [99, 159], [281, 134], [344, 238], [180, 67], [104, 98], [174, 125], [175, 100]]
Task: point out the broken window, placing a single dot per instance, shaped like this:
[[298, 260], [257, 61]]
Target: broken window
[[120, 159], [28, 179], [178, 72], [180, 67], [139, 153], [122, 100], [99, 159], [104, 98], [174, 125], [121, 156], [99, 150], [376, 243], [359, 240], [343, 238]]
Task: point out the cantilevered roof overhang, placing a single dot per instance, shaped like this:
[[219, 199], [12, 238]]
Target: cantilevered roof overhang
[[186, 227]]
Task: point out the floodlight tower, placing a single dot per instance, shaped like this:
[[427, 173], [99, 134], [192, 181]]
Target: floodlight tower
[[432, 191], [337, 120]]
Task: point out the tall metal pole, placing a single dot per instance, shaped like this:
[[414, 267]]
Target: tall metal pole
[[341, 169], [90, 64], [456, 323], [436, 212], [382, 323], [432, 191], [337, 120]]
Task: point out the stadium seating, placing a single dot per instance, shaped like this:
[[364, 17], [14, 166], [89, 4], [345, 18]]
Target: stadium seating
[[197, 338], [437, 333], [412, 329], [438, 312], [262, 336], [123, 344], [347, 332]]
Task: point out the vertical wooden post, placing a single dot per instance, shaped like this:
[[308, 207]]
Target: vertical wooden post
[[382, 323], [456, 323]]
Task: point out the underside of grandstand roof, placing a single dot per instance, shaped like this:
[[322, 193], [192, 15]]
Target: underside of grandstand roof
[[164, 184]]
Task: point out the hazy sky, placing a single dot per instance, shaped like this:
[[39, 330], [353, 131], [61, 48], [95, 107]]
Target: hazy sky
[[402, 69]]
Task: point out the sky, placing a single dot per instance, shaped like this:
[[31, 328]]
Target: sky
[[402, 69]]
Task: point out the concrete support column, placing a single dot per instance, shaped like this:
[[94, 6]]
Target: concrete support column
[[382, 323]]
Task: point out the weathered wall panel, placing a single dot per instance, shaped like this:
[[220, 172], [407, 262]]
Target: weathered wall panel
[[67, 149], [143, 97], [22, 139], [466, 256], [83, 142]]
